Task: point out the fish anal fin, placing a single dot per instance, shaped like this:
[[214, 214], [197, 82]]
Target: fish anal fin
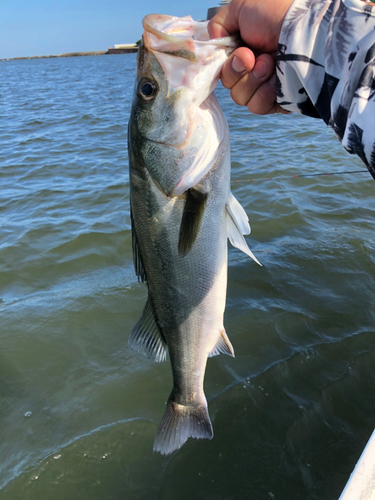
[[146, 337], [180, 423], [223, 345], [137, 259], [191, 220]]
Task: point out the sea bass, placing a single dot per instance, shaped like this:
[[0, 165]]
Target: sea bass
[[182, 212]]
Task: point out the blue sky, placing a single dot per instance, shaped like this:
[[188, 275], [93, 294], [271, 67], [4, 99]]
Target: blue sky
[[43, 27]]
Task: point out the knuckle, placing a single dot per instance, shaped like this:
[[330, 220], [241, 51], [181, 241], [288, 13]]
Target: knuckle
[[226, 81], [266, 94], [262, 103], [229, 78], [243, 91]]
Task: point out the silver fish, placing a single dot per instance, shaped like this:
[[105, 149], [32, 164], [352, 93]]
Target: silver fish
[[182, 213]]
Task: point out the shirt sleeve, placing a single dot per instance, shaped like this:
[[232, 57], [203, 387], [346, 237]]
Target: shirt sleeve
[[326, 67]]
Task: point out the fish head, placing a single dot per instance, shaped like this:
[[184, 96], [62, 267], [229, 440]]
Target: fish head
[[173, 109], [157, 111]]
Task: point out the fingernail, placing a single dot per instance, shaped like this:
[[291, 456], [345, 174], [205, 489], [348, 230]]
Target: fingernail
[[238, 65], [272, 80], [260, 69]]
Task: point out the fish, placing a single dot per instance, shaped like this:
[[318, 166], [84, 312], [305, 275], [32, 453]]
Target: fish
[[182, 213]]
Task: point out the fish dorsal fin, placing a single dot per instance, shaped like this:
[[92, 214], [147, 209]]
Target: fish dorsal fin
[[223, 345], [137, 259], [146, 337], [191, 220], [237, 226]]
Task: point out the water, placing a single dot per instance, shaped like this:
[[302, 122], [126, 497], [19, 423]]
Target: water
[[79, 410]]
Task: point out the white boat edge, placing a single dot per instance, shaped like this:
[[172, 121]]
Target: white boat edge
[[361, 484]]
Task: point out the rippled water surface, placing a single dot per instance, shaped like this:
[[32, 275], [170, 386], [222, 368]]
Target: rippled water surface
[[79, 410]]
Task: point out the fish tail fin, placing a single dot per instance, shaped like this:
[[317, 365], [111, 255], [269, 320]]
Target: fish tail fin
[[180, 423]]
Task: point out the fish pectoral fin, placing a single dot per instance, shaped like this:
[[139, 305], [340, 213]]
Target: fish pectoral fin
[[238, 214], [191, 220], [137, 259], [146, 337], [223, 345], [237, 226]]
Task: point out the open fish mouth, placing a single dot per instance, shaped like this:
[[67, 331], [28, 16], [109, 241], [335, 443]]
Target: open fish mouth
[[179, 42], [183, 31]]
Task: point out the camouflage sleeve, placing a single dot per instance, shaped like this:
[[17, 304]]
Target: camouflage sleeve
[[326, 68]]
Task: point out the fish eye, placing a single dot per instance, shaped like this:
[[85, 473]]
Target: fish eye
[[147, 90]]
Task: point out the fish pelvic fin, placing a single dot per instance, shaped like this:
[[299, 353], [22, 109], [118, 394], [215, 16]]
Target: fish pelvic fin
[[237, 226], [191, 220], [146, 337], [223, 345], [180, 423]]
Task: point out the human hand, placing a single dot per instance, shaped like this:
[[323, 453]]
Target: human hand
[[250, 72]]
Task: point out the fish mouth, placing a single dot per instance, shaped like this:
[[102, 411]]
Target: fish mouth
[[184, 30], [185, 52]]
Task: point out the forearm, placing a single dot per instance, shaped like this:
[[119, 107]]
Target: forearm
[[326, 66]]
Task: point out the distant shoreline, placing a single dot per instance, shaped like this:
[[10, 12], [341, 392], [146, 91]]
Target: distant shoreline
[[76, 54]]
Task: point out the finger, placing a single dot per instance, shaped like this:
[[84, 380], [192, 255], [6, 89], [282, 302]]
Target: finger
[[247, 86], [225, 22], [240, 62], [263, 101]]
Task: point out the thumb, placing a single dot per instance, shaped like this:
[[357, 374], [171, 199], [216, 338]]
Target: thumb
[[224, 23]]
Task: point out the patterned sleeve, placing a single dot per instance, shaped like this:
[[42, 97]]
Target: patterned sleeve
[[326, 68]]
